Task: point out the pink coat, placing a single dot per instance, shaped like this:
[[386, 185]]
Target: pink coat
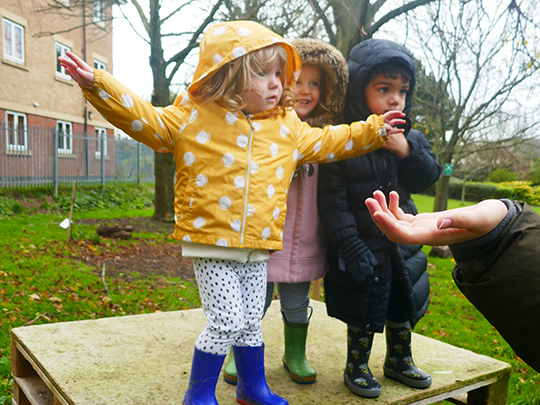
[[303, 257]]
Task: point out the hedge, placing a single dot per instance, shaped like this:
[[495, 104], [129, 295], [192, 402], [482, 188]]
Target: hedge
[[515, 190]]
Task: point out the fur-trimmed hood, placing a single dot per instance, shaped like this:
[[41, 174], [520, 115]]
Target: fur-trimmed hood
[[316, 52]]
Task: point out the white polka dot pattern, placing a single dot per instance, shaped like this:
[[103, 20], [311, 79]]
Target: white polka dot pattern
[[239, 182], [202, 180], [235, 225], [199, 222], [276, 213], [193, 116], [136, 126], [203, 137], [225, 203], [127, 100], [228, 159], [189, 158], [231, 118], [270, 191], [266, 233], [274, 149], [284, 131], [280, 172], [242, 141], [222, 243], [237, 52]]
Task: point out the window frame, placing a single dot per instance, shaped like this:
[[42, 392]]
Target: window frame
[[99, 13], [12, 24], [100, 132], [62, 136], [99, 65], [63, 48], [15, 146]]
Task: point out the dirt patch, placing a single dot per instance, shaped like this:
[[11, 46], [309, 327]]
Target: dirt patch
[[146, 257]]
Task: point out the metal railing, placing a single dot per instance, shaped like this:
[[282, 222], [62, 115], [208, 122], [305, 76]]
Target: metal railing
[[44, 157]]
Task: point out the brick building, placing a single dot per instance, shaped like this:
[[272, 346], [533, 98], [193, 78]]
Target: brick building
[[42, 113]]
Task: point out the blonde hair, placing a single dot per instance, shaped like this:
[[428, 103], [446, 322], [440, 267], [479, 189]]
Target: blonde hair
[[228, 84]]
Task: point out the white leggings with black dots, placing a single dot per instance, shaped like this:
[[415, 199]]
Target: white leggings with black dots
[[232, 296]]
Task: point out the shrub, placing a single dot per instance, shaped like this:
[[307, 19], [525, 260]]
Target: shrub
[[501, 175]]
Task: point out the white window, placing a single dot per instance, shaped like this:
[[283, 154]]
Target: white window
[[13, 41], [101, 133], [16, 131], [99, 65], [99, 12], [65, 137], [61, 51]]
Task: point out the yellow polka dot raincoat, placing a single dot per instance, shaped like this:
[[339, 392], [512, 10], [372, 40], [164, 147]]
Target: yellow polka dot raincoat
[[233, 170]]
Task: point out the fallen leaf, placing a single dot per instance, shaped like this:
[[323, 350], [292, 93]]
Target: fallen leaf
[[34, 297]]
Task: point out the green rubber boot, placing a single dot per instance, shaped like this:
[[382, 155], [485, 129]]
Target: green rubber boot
[[229, 371], [294, 359]]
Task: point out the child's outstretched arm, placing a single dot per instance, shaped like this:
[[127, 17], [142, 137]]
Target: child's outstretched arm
[[437, 228], [78, 70]]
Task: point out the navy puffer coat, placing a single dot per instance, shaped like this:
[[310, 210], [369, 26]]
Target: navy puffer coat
[[400, 282]]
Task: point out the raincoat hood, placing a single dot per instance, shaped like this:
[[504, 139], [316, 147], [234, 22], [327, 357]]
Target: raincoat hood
[[334, 65], [227, 41], [362, 59]]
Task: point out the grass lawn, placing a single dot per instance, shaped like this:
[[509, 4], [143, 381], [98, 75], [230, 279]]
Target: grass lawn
[[41, 283]]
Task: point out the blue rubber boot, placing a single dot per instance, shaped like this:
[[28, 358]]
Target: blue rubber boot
[[205, 370], [252, 388]]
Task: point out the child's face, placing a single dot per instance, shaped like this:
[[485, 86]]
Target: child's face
[[383, 94], [307, 90], [266, 89]]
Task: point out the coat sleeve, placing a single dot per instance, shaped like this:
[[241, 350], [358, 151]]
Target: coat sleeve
[[420, 169], [132, 114], [338, 142], [336, 217]]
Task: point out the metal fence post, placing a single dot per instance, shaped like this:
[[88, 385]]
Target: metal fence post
[[102, 158], [55, 160], [138, 163]]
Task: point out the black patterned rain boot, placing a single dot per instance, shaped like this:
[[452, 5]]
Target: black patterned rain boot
[[399, 364], [357, 375]]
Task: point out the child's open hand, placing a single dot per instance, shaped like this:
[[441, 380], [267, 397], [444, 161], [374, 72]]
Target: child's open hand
[[437, 228], [391, 119], [78, 69]]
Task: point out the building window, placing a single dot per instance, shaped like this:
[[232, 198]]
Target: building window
[[16, 131], [101, 133], [99, 12], [99, 65], [13, 41], [65, 137], [61, 51]]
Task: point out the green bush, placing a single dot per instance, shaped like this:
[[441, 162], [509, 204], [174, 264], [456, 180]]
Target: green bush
[[8, 206], [501, 175], [515, 190]]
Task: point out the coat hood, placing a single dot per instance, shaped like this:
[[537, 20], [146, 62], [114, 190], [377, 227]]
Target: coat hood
[[362, 59], [227, 41], [316, 52]]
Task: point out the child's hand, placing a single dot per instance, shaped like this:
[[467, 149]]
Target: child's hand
[[78, 70], [437, 228], [398, 145], [391, 119]]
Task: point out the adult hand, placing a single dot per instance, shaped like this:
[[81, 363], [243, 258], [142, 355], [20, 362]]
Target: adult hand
[[78, 69], [437, 228]]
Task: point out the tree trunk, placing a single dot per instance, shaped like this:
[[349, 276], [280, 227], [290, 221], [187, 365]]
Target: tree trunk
[[441, 194], [164, 189]]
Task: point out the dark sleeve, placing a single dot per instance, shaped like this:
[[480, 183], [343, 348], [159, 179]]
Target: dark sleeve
[[336, 218], [420, 169], [465, 252]]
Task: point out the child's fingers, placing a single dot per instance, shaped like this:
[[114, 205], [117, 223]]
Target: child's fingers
[[78, 61]]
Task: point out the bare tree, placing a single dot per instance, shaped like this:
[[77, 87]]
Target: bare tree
[[480, 55], [349, 22]]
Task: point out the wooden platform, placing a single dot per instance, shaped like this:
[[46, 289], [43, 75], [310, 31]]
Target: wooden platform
[[146, 359]]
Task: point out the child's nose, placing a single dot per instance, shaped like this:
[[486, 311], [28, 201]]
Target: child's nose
[[274, 81]]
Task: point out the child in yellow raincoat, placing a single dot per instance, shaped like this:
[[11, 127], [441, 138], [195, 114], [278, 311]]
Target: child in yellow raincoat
[[236, 142]]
